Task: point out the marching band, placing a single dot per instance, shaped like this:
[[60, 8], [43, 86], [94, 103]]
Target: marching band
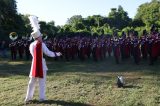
[[146, 46]]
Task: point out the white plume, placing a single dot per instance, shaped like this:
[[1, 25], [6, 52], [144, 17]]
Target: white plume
[[34, 23]]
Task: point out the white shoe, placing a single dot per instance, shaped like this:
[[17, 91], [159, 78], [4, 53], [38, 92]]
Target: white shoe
[[41, 100], [27, 100]]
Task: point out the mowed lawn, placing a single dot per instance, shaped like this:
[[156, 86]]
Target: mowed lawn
[[87, 83]]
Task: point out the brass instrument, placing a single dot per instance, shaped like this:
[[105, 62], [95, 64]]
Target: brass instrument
[[13, 36], [44, 36]]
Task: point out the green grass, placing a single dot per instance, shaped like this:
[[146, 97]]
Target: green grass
[[86, 83]]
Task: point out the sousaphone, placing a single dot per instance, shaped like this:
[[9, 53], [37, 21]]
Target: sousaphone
[[13, 36], [44, 36]]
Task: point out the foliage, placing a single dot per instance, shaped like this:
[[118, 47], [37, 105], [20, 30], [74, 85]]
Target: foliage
[[74, 19], [27, 25], [119, 18], [137, 23], [149, 13], [116, 22], [9, 19], [48, 28]]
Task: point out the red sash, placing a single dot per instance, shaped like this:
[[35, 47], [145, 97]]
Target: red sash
[[37, 65]]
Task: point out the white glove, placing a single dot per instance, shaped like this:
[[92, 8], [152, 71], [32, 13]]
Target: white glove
[[58, 54]]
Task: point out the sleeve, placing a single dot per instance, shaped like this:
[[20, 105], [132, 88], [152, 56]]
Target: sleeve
[[46, 51], [31, 49]]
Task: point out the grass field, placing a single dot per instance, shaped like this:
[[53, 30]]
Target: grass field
[[86, 83]]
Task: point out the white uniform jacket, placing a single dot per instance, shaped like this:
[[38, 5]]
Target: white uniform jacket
[[45, 50]]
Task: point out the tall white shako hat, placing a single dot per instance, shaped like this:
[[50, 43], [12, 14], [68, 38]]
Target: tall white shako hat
[[35, 26]]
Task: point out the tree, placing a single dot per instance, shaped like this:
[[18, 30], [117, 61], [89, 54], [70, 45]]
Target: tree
[[27, 25], [52, 29], [95, 20], [79, 26], [137, 23], [74, 19], [10, 20], [149, 13], [119, 18], [48, 28]]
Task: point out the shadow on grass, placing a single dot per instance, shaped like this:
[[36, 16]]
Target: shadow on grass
[[21, 67], [132, 86], [107, 65], [59, 102], [11, 68]]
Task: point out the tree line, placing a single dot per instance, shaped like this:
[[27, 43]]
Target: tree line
[[96, 25]]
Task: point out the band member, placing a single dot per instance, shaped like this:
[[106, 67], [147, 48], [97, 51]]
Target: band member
[[38, 67], [103, 46], [13, 48], [143, 41], [149, 46], [26, 47], [68, 51], [13, 45], [98, 51], [109, 46], [154, 49], [127, 47], [3, 48], [94, 51], [82, 51], [116, 49], [136, 49], [20, 45]]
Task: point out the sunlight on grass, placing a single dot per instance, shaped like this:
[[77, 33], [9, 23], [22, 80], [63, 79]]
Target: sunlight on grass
[[16, 63], [83, 84]]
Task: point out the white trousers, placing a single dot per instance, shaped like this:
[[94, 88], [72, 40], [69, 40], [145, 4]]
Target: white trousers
[[32, 84]]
